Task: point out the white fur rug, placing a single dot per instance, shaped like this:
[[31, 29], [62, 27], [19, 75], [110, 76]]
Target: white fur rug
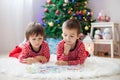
[[93, 67]]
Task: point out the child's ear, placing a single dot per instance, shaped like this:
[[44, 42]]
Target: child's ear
[[79, 35]]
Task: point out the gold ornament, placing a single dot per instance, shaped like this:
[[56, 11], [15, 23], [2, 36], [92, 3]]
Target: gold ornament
[[71, 17], [85, 2], [75, 17], [85, 6], [84, 11], [59, 25], [51, 24], [84, 18], [43, 20], [86, 28], [71, 9]]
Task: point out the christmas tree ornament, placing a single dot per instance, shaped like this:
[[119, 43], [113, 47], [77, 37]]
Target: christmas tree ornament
[[84, 18], [73, 1], [44, 24], [107, 18], [88, 13], [57, 21], [66, 1], [46, 10], [81, 12], [84, 11], [79, 17], [77, 5], [43, 20], [85, 6], [71, 17], [76, 18], [57, 12], [71, 9], [91, 13], [64, 4], [85, 2], [49, 1], [51, 24], [69, 12], [86, 28], [77, 12], [59, 25]]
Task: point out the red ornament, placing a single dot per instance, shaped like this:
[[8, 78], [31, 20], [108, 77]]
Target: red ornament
[[49, 1], [77, 12], [57, 12], [107, 18], [80, 12], [46, 10], [69, 12], [77, 4], [101, 18]]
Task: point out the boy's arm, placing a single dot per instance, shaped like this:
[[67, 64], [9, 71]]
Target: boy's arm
[[60, 53], [81, 56], [45, 54], [23, 55]]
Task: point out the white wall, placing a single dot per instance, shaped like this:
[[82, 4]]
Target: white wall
[[14, 16], [110, 7], [38, 10]]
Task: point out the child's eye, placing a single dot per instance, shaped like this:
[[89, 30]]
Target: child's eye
[[71, 36], [65, 35], [40, 38], [33, 39]]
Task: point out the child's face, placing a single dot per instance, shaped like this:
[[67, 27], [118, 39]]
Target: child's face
[[70, 36], [36, 41]]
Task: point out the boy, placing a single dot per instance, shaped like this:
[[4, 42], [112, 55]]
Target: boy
[[35, 49], [71, 50]]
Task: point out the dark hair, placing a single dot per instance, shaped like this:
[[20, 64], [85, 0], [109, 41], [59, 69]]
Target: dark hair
[[34, 28], [72, 24]]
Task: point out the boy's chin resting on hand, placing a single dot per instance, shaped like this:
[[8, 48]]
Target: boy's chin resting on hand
[[61, 62]]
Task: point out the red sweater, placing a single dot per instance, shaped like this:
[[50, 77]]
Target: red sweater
[[76, 56], [27, 51]]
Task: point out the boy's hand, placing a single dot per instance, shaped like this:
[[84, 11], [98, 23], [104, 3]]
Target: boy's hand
[[61, 62], [66, 49], [41, 58], [29, 60]]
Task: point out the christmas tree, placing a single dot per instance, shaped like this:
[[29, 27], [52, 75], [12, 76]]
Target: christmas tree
[[58, 11]]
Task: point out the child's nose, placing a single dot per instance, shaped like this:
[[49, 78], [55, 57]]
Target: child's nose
[[67, 37], [37, 41]]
